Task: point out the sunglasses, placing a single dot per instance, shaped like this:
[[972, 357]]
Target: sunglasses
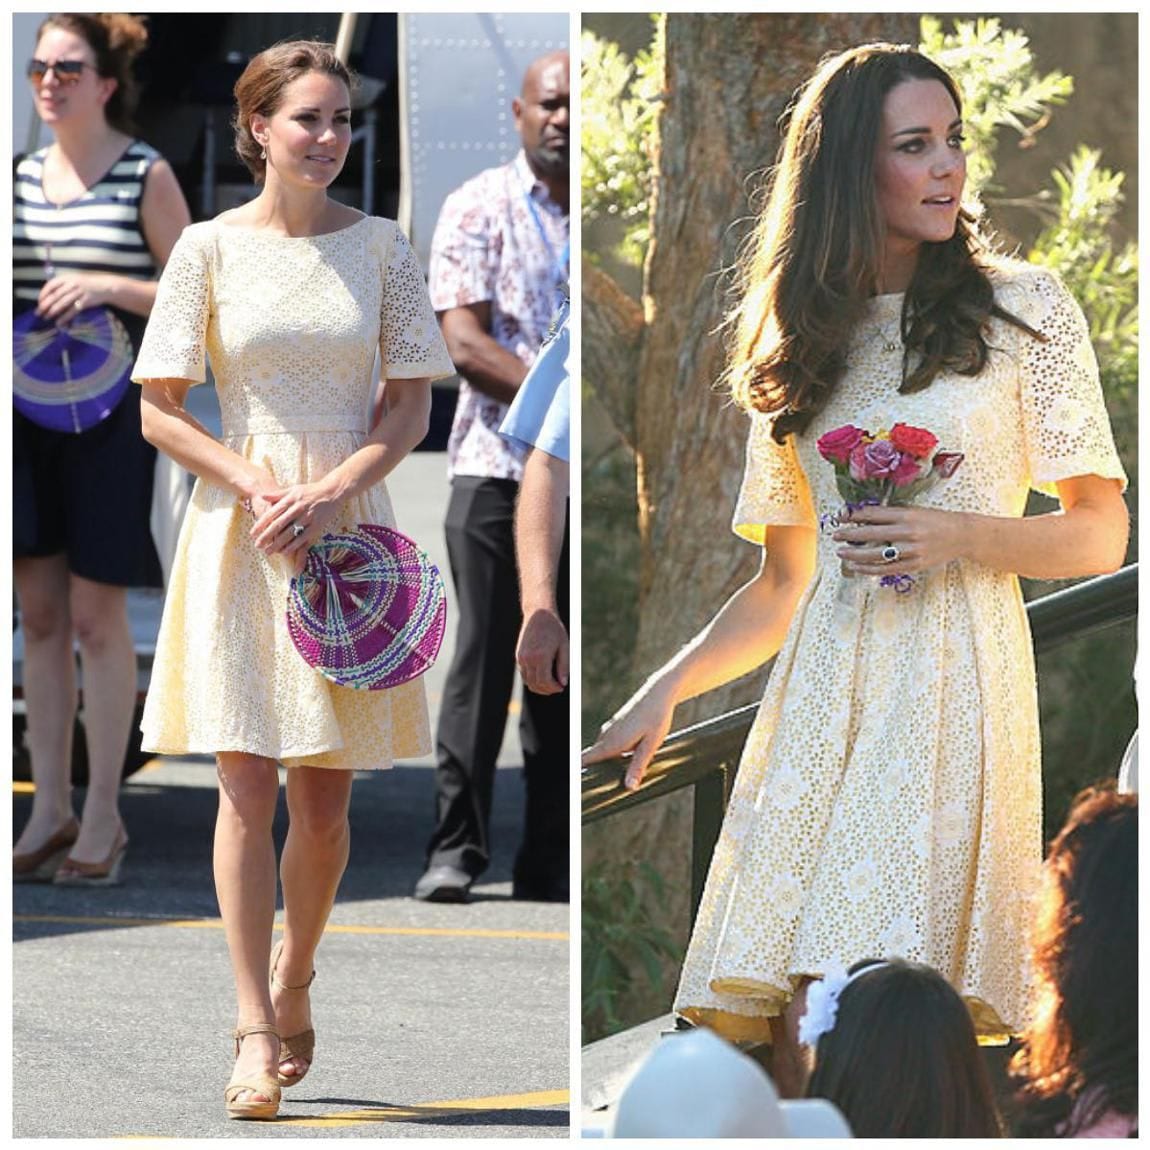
[[68, 72]]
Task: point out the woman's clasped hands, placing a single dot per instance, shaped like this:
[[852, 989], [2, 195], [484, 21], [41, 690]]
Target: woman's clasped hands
[[879, 540], [289, 520]]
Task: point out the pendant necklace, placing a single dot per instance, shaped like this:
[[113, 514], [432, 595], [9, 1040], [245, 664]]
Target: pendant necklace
[[889, 343]]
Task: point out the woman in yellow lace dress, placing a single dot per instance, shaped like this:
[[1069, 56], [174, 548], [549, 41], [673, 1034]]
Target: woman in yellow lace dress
[[289, 297], [889, 797]]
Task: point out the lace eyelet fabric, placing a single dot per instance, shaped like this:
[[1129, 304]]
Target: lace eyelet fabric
[[290, 327], [889, 796]]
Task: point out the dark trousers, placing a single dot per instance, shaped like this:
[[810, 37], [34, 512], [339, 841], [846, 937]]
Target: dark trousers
[[473, 714]]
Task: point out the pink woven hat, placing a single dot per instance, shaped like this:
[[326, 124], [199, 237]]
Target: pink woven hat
[[369, 608], [69, 377]]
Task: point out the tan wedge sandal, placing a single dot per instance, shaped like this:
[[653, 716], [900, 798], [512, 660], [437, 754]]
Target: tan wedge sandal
[[256, 1083], [41, 864], [300, 1045]]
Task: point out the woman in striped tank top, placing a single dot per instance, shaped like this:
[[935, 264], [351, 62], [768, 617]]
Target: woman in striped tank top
[[96, 215]]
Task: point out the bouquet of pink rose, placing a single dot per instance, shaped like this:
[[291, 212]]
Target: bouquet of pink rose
[[888, 468]]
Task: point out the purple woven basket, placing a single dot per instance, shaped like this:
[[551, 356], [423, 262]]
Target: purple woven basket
[[369, 608], [70, 378]]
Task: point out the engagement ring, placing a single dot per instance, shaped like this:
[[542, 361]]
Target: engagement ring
[[297, 529], [890, 553]]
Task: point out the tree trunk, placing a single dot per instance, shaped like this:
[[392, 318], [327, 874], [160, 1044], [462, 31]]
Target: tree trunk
[[611, 336], [728, 80]]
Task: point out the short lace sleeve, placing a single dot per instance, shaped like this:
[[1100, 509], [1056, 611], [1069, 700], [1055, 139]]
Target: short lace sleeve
[[410, 342], [1065, 425], [173, 343], [775, 492]]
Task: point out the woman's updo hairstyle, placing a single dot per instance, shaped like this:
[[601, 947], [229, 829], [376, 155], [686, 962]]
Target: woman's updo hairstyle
[[259, 91], [116, 39]]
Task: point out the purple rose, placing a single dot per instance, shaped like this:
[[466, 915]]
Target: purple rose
[[878, 460]]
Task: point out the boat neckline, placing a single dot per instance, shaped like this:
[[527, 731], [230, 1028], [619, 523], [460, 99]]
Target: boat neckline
[[249, 230]]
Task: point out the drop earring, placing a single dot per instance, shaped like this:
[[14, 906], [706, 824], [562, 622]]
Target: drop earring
[[263, 153]]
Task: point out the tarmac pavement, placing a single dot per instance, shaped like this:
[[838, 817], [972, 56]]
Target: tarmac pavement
[[431, 1020]]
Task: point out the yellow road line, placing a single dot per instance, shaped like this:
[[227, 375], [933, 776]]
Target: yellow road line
[[430, 1110], [217, 924]]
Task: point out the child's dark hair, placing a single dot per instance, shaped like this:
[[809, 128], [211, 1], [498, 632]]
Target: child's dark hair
[[1079, 1059], [902, 1060]]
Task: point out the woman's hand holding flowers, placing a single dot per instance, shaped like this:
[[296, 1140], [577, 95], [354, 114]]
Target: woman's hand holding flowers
[[925, 537], [879, 476]]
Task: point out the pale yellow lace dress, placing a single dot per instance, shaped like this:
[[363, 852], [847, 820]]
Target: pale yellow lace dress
[[889, 796], [290, 326]]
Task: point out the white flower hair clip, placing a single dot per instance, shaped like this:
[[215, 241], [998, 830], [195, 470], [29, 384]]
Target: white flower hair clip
[[823, 1001]]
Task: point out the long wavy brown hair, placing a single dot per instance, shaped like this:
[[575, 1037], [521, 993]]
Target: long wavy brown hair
[[1079, 1058], [815, 255]]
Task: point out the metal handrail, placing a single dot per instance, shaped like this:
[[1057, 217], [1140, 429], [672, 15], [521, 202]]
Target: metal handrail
[[1085, 607], [706, 755]]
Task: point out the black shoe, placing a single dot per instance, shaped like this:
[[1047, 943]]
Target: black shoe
[[443, 883], [541, 890]]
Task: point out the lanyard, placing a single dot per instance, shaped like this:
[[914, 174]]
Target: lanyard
[[560, 263]]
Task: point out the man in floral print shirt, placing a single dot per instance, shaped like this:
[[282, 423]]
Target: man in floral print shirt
[[499, 258]]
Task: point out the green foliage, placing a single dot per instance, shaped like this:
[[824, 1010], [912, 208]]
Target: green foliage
[[1086, 695], [1087, 713], [619, 103], [994, 70], [621, 935], [1105, 283]]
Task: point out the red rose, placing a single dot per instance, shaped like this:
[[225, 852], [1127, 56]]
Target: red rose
[[837, 445], [913, 440]]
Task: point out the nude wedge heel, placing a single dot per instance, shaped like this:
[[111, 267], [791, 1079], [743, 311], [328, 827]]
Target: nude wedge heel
[[300, 1045], [256, 1083]]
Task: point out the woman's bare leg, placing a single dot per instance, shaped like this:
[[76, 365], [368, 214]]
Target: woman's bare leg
[[108, 657], [244, 862], [49, 693], [314, 859]]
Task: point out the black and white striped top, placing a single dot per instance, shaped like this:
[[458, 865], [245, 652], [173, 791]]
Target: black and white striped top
[[100, 231]]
